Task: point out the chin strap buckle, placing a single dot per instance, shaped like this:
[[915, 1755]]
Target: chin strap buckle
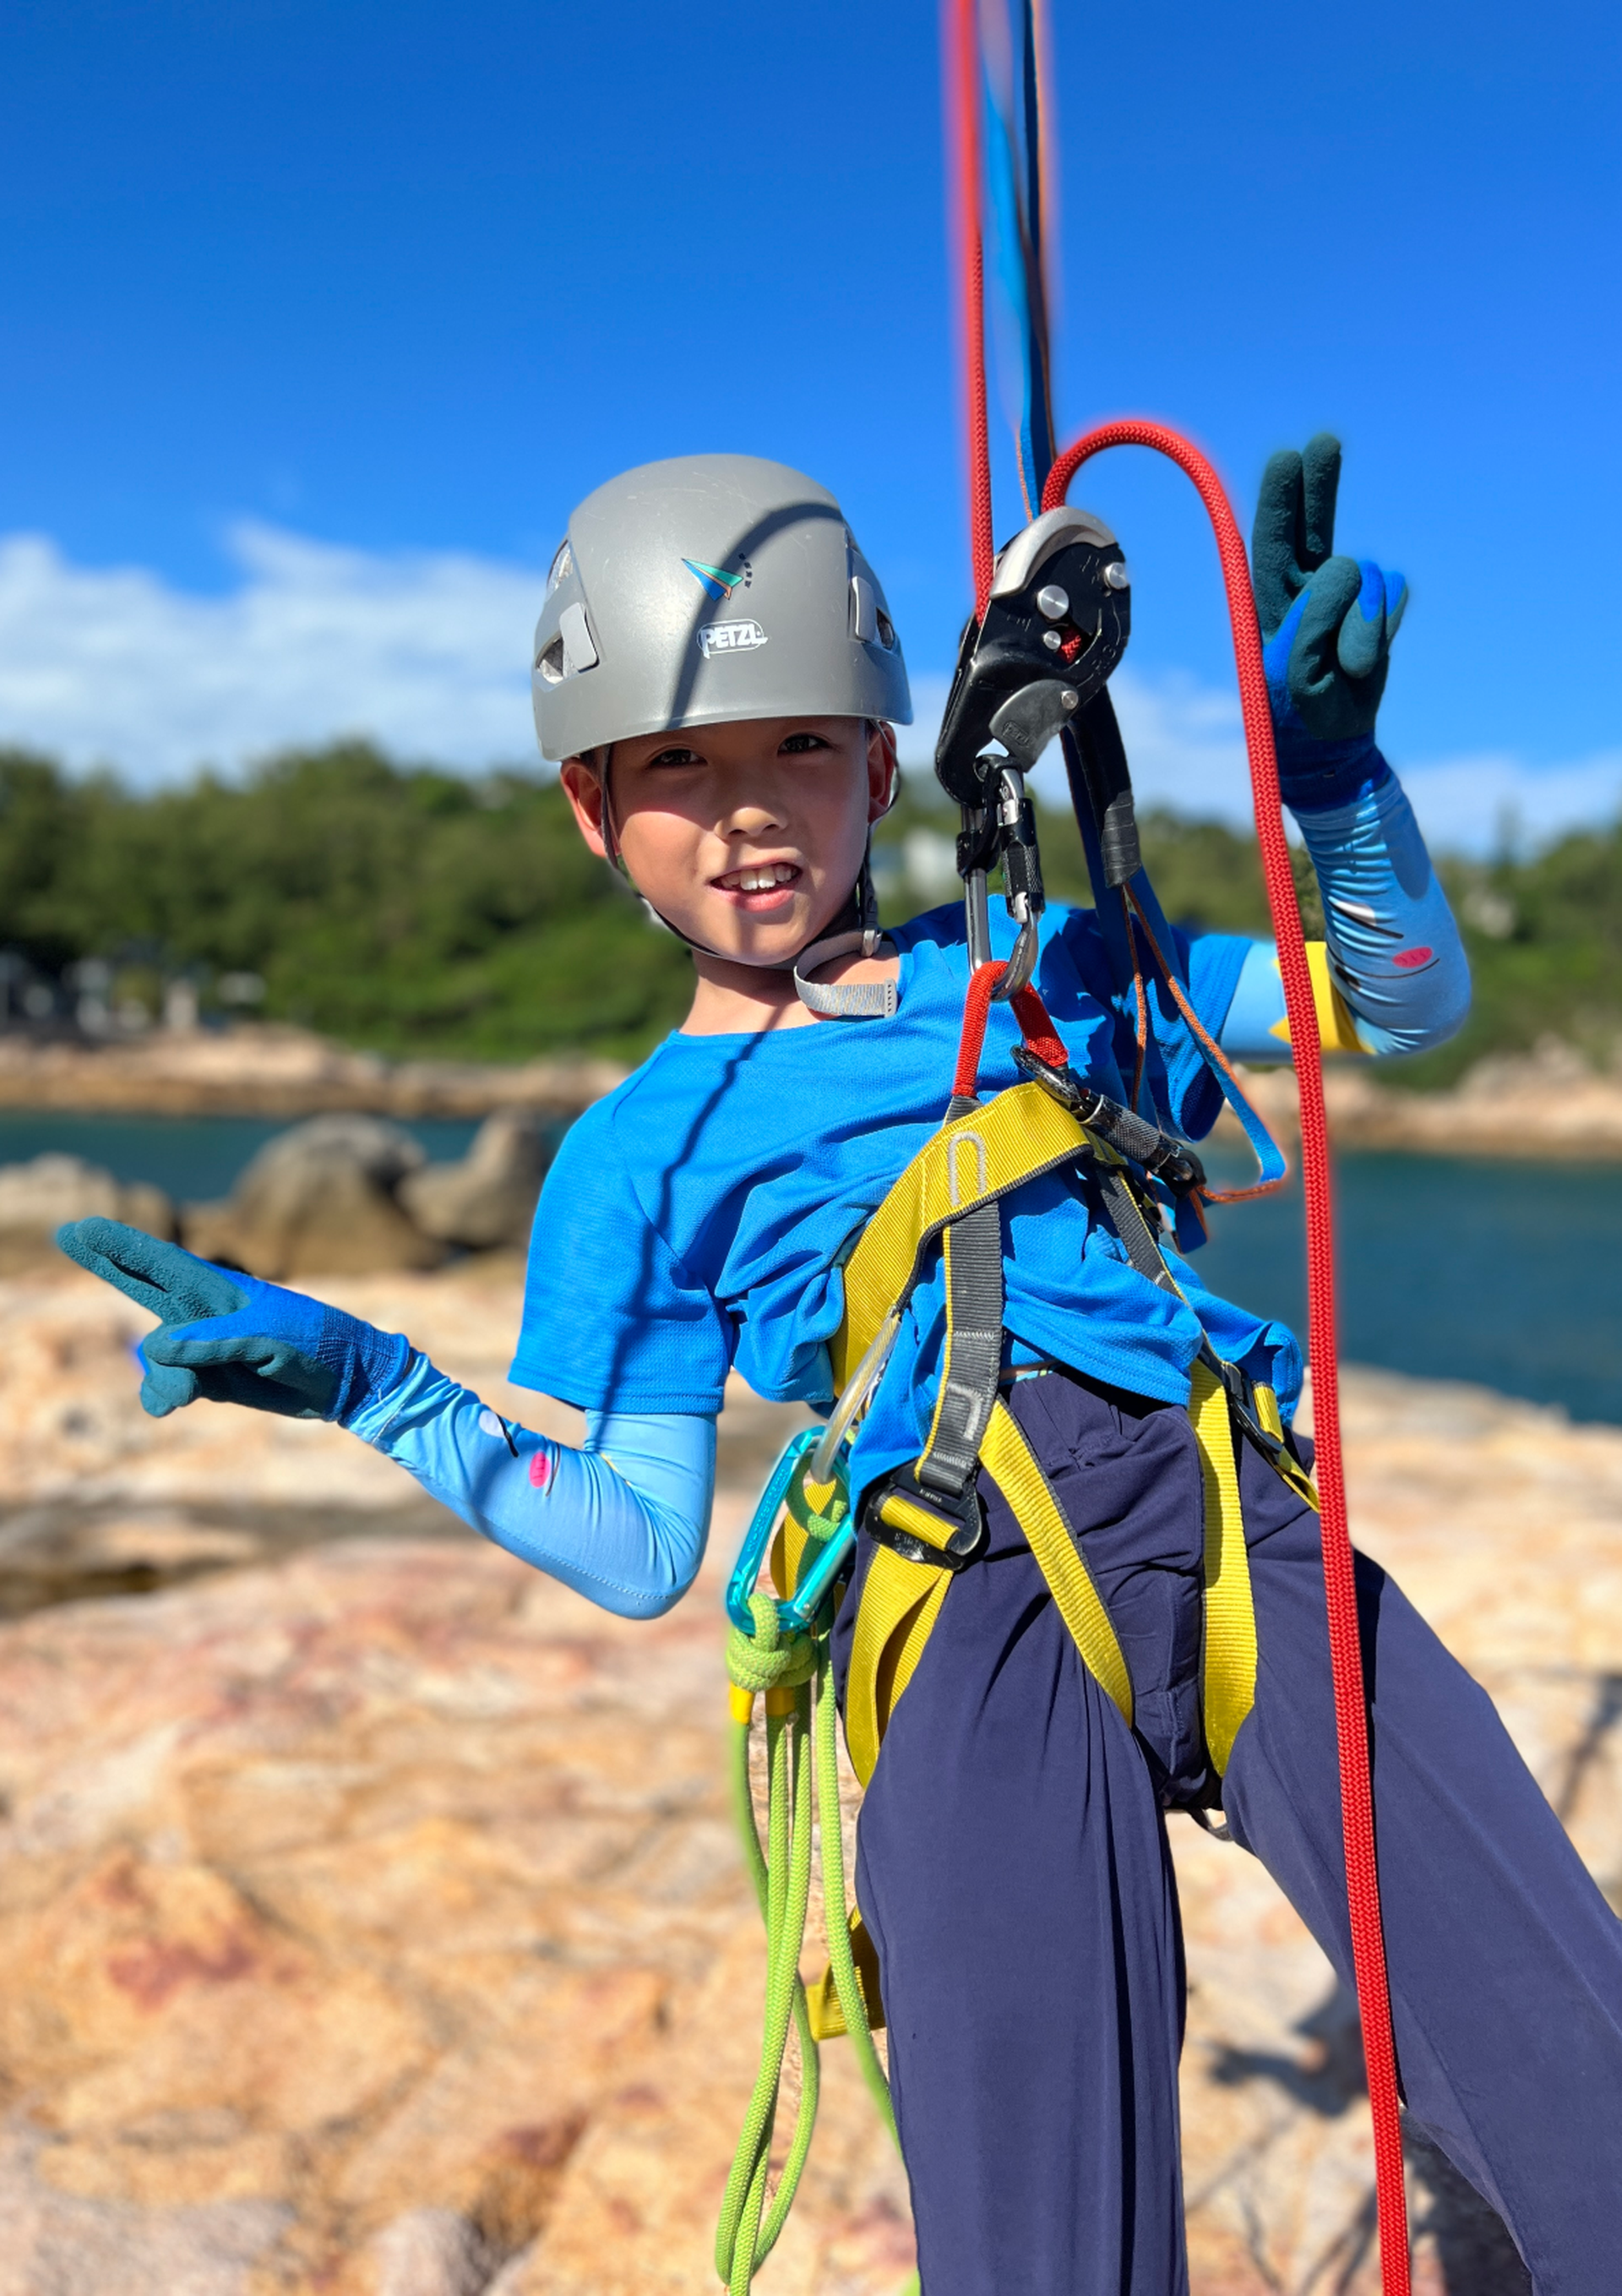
[[861, 1000]]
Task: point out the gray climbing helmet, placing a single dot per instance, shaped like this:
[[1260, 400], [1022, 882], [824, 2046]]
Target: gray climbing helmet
[[709, 588]]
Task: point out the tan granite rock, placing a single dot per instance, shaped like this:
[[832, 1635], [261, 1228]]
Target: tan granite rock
[[370, 1915], [488, 1199], [318, 1199]]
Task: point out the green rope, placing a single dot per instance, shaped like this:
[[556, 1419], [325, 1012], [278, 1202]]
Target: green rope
[[782, 1876], [841, 1960], [768, 1659]]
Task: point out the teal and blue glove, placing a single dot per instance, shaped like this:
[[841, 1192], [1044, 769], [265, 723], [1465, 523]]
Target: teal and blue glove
[[232, 1338], [1327, 626]]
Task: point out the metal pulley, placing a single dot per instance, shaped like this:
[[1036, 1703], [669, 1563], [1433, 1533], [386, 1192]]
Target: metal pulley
[[1055, 628], [1056, 624]]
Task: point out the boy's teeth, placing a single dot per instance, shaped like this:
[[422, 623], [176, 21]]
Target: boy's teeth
[[761, 881]]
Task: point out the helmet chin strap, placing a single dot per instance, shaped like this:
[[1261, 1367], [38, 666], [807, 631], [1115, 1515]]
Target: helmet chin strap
[[856, 928]]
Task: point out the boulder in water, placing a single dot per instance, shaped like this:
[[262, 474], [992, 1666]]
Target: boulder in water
[[319, 1199], [488, 1199]]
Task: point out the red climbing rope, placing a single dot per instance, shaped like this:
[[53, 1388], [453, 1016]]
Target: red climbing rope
[[964, 65], [1345, 1656]]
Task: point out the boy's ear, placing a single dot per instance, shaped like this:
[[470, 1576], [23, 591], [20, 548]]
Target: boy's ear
[[883, 771], [584, 791]]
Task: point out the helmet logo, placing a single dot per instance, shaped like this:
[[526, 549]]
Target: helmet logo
[[729, 637], [714, 581]]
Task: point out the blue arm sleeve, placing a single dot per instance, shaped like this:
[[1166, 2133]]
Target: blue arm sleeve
[[1394, 950], [622, 1521]]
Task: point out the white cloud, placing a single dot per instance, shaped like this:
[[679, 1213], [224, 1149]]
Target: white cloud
[[428, 654], [1186, 744], [1184, 739], [1468, 805]]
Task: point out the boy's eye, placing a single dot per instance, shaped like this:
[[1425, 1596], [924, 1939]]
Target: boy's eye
[[675, 756], [796, 744]]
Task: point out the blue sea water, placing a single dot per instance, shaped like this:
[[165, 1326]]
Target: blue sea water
[[194, 1157], [1509, 1274], [1506, 1275]]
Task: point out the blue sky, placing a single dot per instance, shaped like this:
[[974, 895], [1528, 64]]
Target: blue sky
[[318, 320]]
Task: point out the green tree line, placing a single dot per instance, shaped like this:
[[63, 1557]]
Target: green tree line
[[410, 909]]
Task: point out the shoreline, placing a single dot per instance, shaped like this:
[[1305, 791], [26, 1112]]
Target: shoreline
[[1547, 1103], [271, 1071], [1525, 1107]]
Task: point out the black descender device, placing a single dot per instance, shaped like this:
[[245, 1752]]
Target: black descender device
[[1055, 626]]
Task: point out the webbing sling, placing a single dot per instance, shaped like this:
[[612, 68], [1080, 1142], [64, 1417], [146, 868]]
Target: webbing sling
[[972, 1361]]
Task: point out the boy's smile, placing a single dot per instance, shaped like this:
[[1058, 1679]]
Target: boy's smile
[[761, 888]]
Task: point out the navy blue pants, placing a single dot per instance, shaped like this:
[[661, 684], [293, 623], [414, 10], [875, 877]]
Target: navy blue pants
[[1014, 1870]]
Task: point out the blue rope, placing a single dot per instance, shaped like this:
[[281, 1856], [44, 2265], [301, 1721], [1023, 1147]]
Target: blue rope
[[1039, 400], [1013, 167]]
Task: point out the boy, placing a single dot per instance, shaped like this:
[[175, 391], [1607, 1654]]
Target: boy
[[717, 670]]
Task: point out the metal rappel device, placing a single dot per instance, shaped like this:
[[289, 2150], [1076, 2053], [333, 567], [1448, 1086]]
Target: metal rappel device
[[1055, 626]]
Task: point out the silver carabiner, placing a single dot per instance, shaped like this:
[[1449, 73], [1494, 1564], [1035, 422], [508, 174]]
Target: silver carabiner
[[1017, 973], [858, 1387]]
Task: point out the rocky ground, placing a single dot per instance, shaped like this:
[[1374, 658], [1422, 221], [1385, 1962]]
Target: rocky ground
[[369, 1913]]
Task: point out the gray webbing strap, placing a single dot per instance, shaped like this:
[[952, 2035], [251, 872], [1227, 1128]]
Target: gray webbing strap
[[973, 1361], [972, 1364], [866, 1000], [1125, 1216]]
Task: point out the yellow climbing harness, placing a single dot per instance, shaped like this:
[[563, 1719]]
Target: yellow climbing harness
[[970, 1162], [926, 1523]]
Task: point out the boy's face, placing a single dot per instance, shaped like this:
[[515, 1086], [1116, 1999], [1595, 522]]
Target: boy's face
[[748, 837]]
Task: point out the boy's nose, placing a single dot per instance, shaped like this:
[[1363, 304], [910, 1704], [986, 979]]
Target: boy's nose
[[750, 819]]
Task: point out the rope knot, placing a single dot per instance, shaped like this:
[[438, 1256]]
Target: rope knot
[[769, 1659]]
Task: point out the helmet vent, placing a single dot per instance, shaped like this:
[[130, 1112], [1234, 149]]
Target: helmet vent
[[886, 631], [579, 651], [562, 561], [550, 663]]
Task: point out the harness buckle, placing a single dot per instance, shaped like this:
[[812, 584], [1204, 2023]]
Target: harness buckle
[[1241, 1401], [946, 1530], [1241, 1389]]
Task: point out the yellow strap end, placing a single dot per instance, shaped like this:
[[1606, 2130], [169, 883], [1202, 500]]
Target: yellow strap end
[[780, 1699], [823, 2010], [740, 1704], [1336, 1025]]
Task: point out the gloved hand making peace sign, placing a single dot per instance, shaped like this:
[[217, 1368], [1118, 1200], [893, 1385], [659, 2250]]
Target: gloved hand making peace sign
[[232, 1338], [1327, 626]]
